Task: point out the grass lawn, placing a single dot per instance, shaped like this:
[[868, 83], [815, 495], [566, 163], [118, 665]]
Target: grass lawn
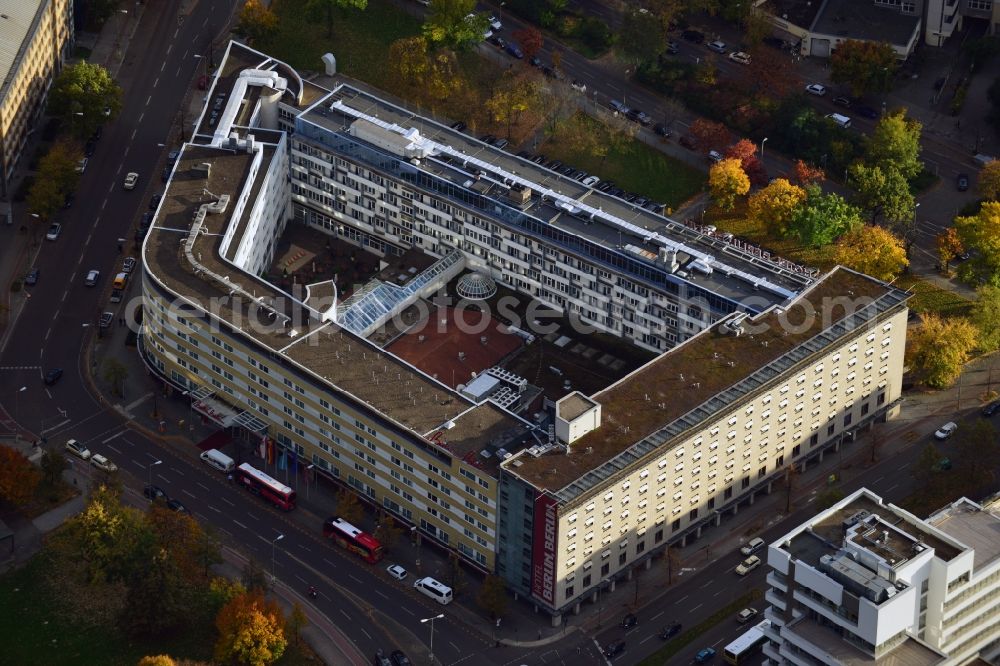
[[360, 39], [33, 630], [928, 297], [635, 168], [737, 223]]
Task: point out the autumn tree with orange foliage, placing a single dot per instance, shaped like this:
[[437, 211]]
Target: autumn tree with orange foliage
[[530, 39], [774, 206], [710, 135], [872, 250], [251, 631], [726, 182], [745, 151], [804, 173], [949, 246], [18, 477]]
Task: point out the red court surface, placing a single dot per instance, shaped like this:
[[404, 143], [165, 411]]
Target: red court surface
[[443, 339]]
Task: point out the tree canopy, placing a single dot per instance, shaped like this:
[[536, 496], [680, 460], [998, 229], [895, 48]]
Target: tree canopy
[[251, 631], [640, 39], [986, 317], [804, 173], [981, 232], [726, 181], [18, 477], [492, 596], [948, 245], [989, 181], [81, 94], [884, 192], [710, 135], [938, 348], [823, 218], [256, 21], [872, 250], [327, 8], [454, 23], [866, 67], [773, 206], [895, 144]]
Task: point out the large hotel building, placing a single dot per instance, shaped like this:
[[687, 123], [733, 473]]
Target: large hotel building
[[755, 363]]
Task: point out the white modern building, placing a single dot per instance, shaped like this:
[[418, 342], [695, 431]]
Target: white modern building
[[866, 582]]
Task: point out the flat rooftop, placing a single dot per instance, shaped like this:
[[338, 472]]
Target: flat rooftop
[[976, 526], [472, 164], [797, 12], [702, 377], [910, 652], [862, 19]]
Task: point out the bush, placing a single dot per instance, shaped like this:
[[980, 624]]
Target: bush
[[595, 34]]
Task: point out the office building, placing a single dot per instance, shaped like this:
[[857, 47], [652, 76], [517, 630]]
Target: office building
[[867, 582]]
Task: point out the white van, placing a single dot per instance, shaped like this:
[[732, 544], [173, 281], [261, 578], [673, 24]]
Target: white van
[[439, 592], [219, 460], [841, 120]]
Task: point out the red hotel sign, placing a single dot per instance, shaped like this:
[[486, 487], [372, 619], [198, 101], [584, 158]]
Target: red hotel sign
[[543, 549]]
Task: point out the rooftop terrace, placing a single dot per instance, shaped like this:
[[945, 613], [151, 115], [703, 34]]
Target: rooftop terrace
[[701, 378]]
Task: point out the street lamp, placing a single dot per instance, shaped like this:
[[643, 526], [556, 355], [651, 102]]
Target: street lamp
[[762, 142], [308, 470], [17, 404], [431, 620], [273, 548], [149, 472]]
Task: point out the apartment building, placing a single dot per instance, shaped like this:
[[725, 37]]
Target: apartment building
[[867, 582], [665, 452], [35, 38], [767, 364]]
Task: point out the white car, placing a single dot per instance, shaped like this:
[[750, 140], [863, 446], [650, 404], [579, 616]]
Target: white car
[[92, 277], [816, 89], [131, 179], [717, 46], [128, 265], [54, 230], [946, 431], [740, 57], [78, 449], [753, 546], [396, 571], [590, 181], [746, 615], [715, 156], [495, 23], [747, 565], [102, 463]]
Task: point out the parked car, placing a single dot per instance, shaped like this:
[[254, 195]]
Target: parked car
[[400, 659], [488, 139], [637, 116], [688, 142], [396, 571], [92, 277], [613, 649], [495, 23], [152, 493], [746, 615], [117, 295], [89, 148], [498, 42], [704, 655], [661, 130], [128, 265], [176, 506], [753, 546], [842, 101], [554, 165], [165, 174], [672, 48], [714, 156], [32, 277], [962, 182], [131, 178], [102, 463], [155, 201], [630, 621], [501, 143], [54, 230], [747, 565], [459, 126], [946, 431], [617, 106], [590, 181], [52, 376], [81, 166], [78, 449], [992, 408], [535, 61], [670, 631], [816, 89], [740, 57], [106, 319], [718, 46], [693, 36], [514, 50], [539, 159]]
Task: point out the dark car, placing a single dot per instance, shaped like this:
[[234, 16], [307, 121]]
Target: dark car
[[613, 649], [538, 159], [992, 408], [501, 143], [488, 139], [32, 277], [459, 126], [381, 659], [670, 631], [554, 165], [498, 42], [69, 199], [524, 154], [147, 219], [514, 50], [630, 621], [693, 36], [155, 201], [962, 182], [89, 148], [661, 130], [638, 116], [98, 133], [175, 505], [172, 156], [842, 101], [535, 61], [867, 112], [165, 174], [154, 493], [672, 48], [400, 659], [688, 142], [52, 376]]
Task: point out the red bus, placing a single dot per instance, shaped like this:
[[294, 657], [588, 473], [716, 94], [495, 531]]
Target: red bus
[[351, 538], [263, 485]]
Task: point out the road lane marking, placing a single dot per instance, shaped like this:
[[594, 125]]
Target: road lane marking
[[656, 616], [711, 582], [133, 139], [457, 649], [382, 594], [717, 593], [332, 564], [178, 72], [241, 524], [203, 487], [55, 427], [149, 99], [179, 472], [141, 116], [695, 608], [214, 509], [681, 599], [63, 299], [362, 630], [189, 493], [305, 547], [227, 501], [135, 403], [47, 334], [119, 434], [355, 579], [114, 449], [165, 479], [156, 81], [644, 640], [408, 610], [161, 69], [175, 37], [344, 613]]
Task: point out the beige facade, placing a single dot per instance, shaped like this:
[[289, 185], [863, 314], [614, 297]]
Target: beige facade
[[35, 37]]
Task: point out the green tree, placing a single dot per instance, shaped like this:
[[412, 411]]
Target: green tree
[[926, 464], [253, 577], [454, 23], [949, 246], [56, 178], [986, 317], [53, 463], [981, 232], [110, 538], [115, 373], [872, 250], [256, 21], [492, 596], [515, 94], [640, 39], [530, 39], [81, 95], [866, 67], [726, 182], [823, 218], [18, 477], [895, 144], [251, 631], [883, 192], [327, 8], [159, 598], [776, 205], [939, 348], [989, 180], [456, 575]]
